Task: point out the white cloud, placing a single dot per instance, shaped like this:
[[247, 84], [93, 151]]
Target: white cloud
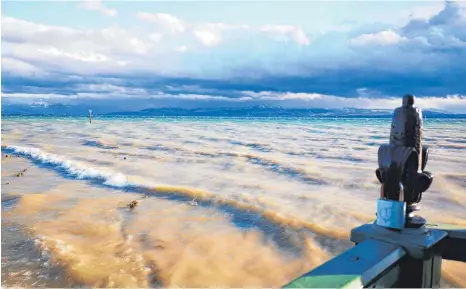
[[267, 95], [446, 29], [247, 54], [72, 50], [18, 30], [387, 37], [210, 34], [423, 12], [207, 38], [97, 5], [104, 93], [33, 96], [156, 37], [108, 39], [167, 21], [451, 103], [182, 48], [83, 56], [112, 89], [20, 68], [294, 32]]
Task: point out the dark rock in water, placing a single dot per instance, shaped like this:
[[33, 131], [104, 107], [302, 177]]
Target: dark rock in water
[[133, 204]]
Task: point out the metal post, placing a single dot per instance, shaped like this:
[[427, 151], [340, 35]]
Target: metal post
[[421, 273]]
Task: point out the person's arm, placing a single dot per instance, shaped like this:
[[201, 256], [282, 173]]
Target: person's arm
[[419, 148], [396, 133]]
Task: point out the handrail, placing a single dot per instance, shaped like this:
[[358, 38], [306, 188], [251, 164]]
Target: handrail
[[454, 245], [381, 261], [359, 266]]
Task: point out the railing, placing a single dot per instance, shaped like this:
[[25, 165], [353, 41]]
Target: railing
[[386, 258]]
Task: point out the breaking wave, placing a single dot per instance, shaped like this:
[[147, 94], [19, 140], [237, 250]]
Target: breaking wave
[[72, 168], [81, 171]]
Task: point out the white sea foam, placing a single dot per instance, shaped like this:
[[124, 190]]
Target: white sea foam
[[73, 168]]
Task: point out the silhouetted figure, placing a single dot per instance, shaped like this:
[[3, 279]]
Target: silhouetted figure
[[402, 161], [406, 127]]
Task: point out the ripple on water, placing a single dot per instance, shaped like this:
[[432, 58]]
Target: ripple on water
[[23, 265]]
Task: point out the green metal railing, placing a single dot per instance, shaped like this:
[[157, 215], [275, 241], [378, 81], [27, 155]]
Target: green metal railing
[[385, 258]]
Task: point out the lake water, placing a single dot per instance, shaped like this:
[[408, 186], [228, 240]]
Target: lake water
[[221, 202]]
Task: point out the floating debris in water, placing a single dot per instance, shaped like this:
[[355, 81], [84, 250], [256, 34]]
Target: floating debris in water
[[133, 204], [21, 173]]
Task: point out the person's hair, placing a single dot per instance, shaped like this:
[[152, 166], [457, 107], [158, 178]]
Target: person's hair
[[409, 99]]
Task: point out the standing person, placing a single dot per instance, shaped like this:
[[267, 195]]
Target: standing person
[[406, 131], [406, 127]]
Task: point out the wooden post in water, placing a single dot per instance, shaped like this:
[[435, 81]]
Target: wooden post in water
[[90, 115]]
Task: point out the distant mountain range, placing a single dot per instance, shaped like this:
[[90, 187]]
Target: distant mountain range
[[255, 111], [263, 111]]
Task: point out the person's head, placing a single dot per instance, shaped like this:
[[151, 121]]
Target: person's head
[[408, 100]]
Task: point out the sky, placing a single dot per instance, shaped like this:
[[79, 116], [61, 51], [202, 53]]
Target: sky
[[130, 55]]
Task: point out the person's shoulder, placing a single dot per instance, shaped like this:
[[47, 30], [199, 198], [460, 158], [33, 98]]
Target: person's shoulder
[[417, 110]]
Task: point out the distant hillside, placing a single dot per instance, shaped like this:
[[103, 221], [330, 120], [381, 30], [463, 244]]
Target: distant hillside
[[263, 111], [255, 111], [44, 110]]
